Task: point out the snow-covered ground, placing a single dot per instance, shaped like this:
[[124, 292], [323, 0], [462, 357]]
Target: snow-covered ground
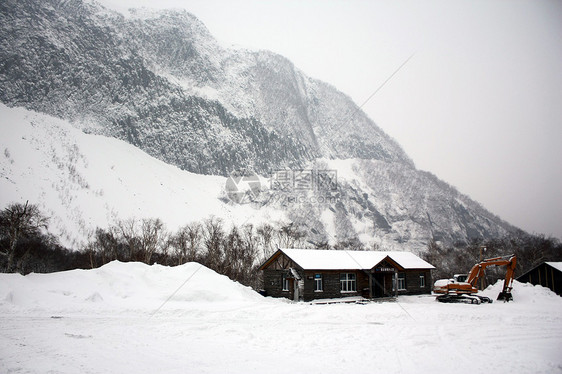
[[134, 318]]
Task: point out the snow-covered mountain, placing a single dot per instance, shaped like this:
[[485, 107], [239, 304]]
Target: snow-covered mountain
[[160, 82], [83, 181]]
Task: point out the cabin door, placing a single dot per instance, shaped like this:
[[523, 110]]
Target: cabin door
[[292, 284], [382, 284], [378, 285]]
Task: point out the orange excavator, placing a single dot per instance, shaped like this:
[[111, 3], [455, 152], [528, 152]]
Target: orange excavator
[[464, 290]]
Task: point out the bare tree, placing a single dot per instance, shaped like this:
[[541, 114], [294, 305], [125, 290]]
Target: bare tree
[[214, 244], [290, 236], [265, 233], [233, 254], [17, 221], [186, 243], [153, 238], [251, 240], [351, 244], [105, 245], [127, 232], [251, 244]]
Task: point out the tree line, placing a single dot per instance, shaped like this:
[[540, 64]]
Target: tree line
[[231, 250], [234, 251]]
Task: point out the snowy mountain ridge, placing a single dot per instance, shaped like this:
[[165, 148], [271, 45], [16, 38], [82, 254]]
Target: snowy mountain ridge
[[160, 82], [112, 73], [84, 181]]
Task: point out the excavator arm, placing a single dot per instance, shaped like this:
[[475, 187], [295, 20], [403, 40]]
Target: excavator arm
[[478, 270], [505, 294]]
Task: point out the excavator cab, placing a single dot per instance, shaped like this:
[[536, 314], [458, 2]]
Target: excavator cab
[[459, 278]]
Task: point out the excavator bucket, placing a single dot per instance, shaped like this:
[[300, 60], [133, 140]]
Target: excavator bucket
[[505, 296]]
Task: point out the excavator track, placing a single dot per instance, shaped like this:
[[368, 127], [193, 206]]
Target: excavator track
[[466, 299]]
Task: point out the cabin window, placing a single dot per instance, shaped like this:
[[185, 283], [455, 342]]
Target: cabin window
[[348, 282], [401, 281], [318, 283], [285, 283], [422, 280]]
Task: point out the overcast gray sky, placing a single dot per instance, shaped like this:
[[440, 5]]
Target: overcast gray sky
[[479, 104]]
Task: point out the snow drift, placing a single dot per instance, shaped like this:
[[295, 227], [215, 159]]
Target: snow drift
[[121, 286], [524, 293]]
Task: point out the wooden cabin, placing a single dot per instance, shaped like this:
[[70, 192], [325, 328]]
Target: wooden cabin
[[308, 274]]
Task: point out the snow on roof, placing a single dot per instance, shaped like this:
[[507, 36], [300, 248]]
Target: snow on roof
[[317, 259], [556, 265]]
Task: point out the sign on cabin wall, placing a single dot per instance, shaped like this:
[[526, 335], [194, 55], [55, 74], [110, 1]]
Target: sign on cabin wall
[[384, 267], [384, 270]]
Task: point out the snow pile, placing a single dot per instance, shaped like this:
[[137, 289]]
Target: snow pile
[[122, 286], [524, 293]]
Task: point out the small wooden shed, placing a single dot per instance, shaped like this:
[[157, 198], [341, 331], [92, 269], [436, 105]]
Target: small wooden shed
[[308, 274], [547, 274]]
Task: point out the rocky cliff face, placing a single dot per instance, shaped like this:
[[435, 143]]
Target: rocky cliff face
[[161, 82]]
